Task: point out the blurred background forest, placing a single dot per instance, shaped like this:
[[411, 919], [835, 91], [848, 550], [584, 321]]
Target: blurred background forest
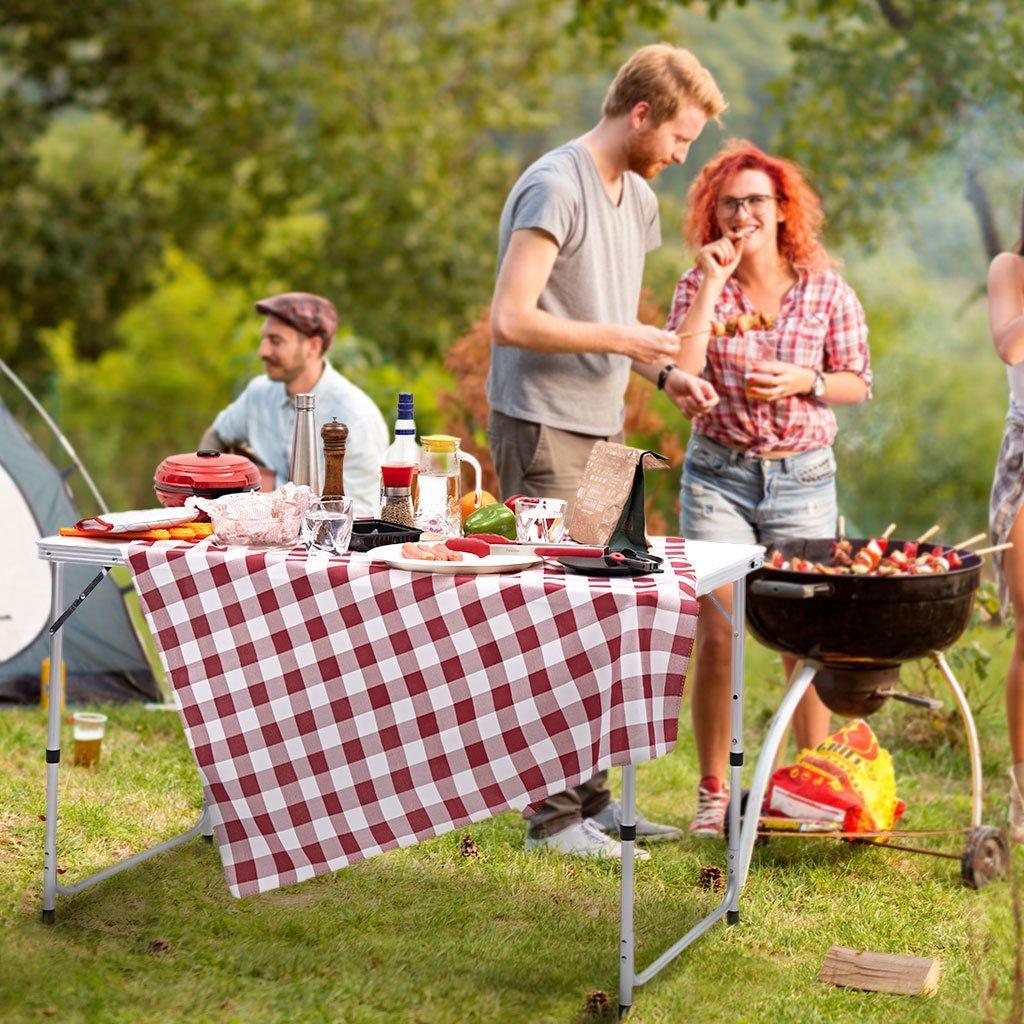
[[165, 163]]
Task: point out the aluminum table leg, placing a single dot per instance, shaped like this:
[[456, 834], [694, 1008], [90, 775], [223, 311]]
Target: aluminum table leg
[[629, 980], [627, 833], [739, 598], [51, 887], [53, 746]]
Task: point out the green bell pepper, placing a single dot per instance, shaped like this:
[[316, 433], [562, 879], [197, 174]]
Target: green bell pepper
[[494, 518]]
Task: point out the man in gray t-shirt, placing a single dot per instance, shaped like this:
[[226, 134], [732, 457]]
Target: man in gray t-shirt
[[573, 236], [596, 278]]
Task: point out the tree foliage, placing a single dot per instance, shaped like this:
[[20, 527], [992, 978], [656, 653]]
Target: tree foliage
[[165, 162], [923, 449], [878, 89], [358, 149]]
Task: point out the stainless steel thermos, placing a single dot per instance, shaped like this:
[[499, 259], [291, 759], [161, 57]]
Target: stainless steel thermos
[[304, 465]]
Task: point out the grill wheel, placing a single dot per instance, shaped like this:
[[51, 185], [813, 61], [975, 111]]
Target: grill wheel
[[986, 857]]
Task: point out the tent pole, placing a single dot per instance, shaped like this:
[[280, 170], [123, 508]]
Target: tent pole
[[64, 442], [86, 476]]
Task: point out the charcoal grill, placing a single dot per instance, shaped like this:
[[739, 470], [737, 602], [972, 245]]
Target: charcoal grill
[[851, 633]]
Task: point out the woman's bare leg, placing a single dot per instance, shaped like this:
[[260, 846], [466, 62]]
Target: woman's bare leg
[[1013, 567], [710, 691], [811, 724], [710, 706]]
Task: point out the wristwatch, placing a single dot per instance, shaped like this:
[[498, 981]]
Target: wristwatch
[[818, 387], [663, 376]]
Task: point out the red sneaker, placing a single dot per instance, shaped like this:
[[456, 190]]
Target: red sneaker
[[712, 802]]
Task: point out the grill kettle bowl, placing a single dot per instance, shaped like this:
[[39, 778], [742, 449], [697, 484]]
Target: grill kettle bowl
[[858, 622]]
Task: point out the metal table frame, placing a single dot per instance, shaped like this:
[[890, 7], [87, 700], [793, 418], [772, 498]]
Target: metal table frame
[[715, 564], [104, 556], [739, 845]]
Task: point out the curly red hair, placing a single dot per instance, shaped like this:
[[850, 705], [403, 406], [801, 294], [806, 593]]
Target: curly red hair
[[800, 232]]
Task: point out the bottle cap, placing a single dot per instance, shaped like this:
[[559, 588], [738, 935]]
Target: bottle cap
[[405, 405], [397, 475], [307, 401]]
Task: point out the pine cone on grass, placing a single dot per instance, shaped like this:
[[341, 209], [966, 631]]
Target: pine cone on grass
[[599, 1006], [468, 847], [711, 878]]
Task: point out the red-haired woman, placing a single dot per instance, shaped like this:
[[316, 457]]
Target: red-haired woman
[[759, 467], [1006, 321]]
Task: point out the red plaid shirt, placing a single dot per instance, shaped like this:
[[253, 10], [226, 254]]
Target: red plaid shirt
[[820, 326]]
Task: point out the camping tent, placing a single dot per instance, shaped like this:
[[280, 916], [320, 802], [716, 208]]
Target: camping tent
[[103, 656]]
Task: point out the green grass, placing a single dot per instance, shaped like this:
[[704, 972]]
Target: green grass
[[423, 935]]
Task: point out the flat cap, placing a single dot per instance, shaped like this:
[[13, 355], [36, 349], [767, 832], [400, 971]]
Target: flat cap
[[309, 314]]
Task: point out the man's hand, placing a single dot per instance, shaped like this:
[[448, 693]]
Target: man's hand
[[517, 319], [692, 395], [648, 344], [770, 380]]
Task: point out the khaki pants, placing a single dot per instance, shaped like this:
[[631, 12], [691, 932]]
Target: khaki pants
[[546, 462]]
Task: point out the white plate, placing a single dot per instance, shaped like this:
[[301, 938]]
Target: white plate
[[471, 565]]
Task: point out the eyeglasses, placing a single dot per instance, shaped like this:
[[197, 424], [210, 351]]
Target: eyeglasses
[[731, 205]]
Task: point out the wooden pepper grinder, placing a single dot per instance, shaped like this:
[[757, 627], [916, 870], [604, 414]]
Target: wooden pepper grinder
[[335, 437]]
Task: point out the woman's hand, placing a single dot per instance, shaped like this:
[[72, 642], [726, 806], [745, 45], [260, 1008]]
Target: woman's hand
[[770, 380], [692, 395], [720, 258]]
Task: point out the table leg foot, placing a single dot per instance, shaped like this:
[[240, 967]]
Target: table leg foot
[[624, 1009], [49, 916], [732, 917], [207, 824]]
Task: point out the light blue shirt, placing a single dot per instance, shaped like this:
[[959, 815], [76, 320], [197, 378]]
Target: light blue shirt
[[263, 416]]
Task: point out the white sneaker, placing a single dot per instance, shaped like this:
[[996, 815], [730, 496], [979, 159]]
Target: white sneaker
[[609, 821], [582, 839]]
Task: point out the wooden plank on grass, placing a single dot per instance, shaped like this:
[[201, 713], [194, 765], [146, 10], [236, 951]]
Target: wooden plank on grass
[[880, 972]]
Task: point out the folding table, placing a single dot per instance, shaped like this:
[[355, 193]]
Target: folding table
[[714, 565]]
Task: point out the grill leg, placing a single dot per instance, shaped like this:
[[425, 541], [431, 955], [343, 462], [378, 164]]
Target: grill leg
[[804, 676], [973, 746]]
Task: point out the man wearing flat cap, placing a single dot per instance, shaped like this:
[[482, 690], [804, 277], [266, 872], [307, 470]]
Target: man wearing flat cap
[[298, 330]]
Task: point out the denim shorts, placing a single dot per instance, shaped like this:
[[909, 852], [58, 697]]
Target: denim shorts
[[735, 498]]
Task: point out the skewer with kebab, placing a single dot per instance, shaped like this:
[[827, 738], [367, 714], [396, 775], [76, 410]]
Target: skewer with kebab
[[939, 559], [899, 560], [868, 558], [842, 549], [737, 326], [844, 560], [875, 559]]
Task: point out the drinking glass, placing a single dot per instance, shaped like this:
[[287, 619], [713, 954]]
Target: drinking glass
[[327, 527], [88, 736], [540, 520], [749, 356]]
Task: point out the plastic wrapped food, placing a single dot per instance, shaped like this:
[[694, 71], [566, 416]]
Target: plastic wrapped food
[[848, 780], [272, 518]]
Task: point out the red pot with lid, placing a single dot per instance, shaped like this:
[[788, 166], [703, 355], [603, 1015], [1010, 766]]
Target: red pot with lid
[[204, 474]]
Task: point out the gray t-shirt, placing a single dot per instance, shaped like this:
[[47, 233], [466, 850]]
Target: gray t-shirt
[[596, 277]]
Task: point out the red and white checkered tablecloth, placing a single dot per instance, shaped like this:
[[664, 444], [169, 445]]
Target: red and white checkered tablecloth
[[338, 709]]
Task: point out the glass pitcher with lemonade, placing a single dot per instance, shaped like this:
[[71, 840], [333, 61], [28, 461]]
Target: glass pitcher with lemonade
[[439, 492]]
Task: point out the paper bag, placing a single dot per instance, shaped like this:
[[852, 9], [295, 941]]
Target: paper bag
[[609, 508]]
